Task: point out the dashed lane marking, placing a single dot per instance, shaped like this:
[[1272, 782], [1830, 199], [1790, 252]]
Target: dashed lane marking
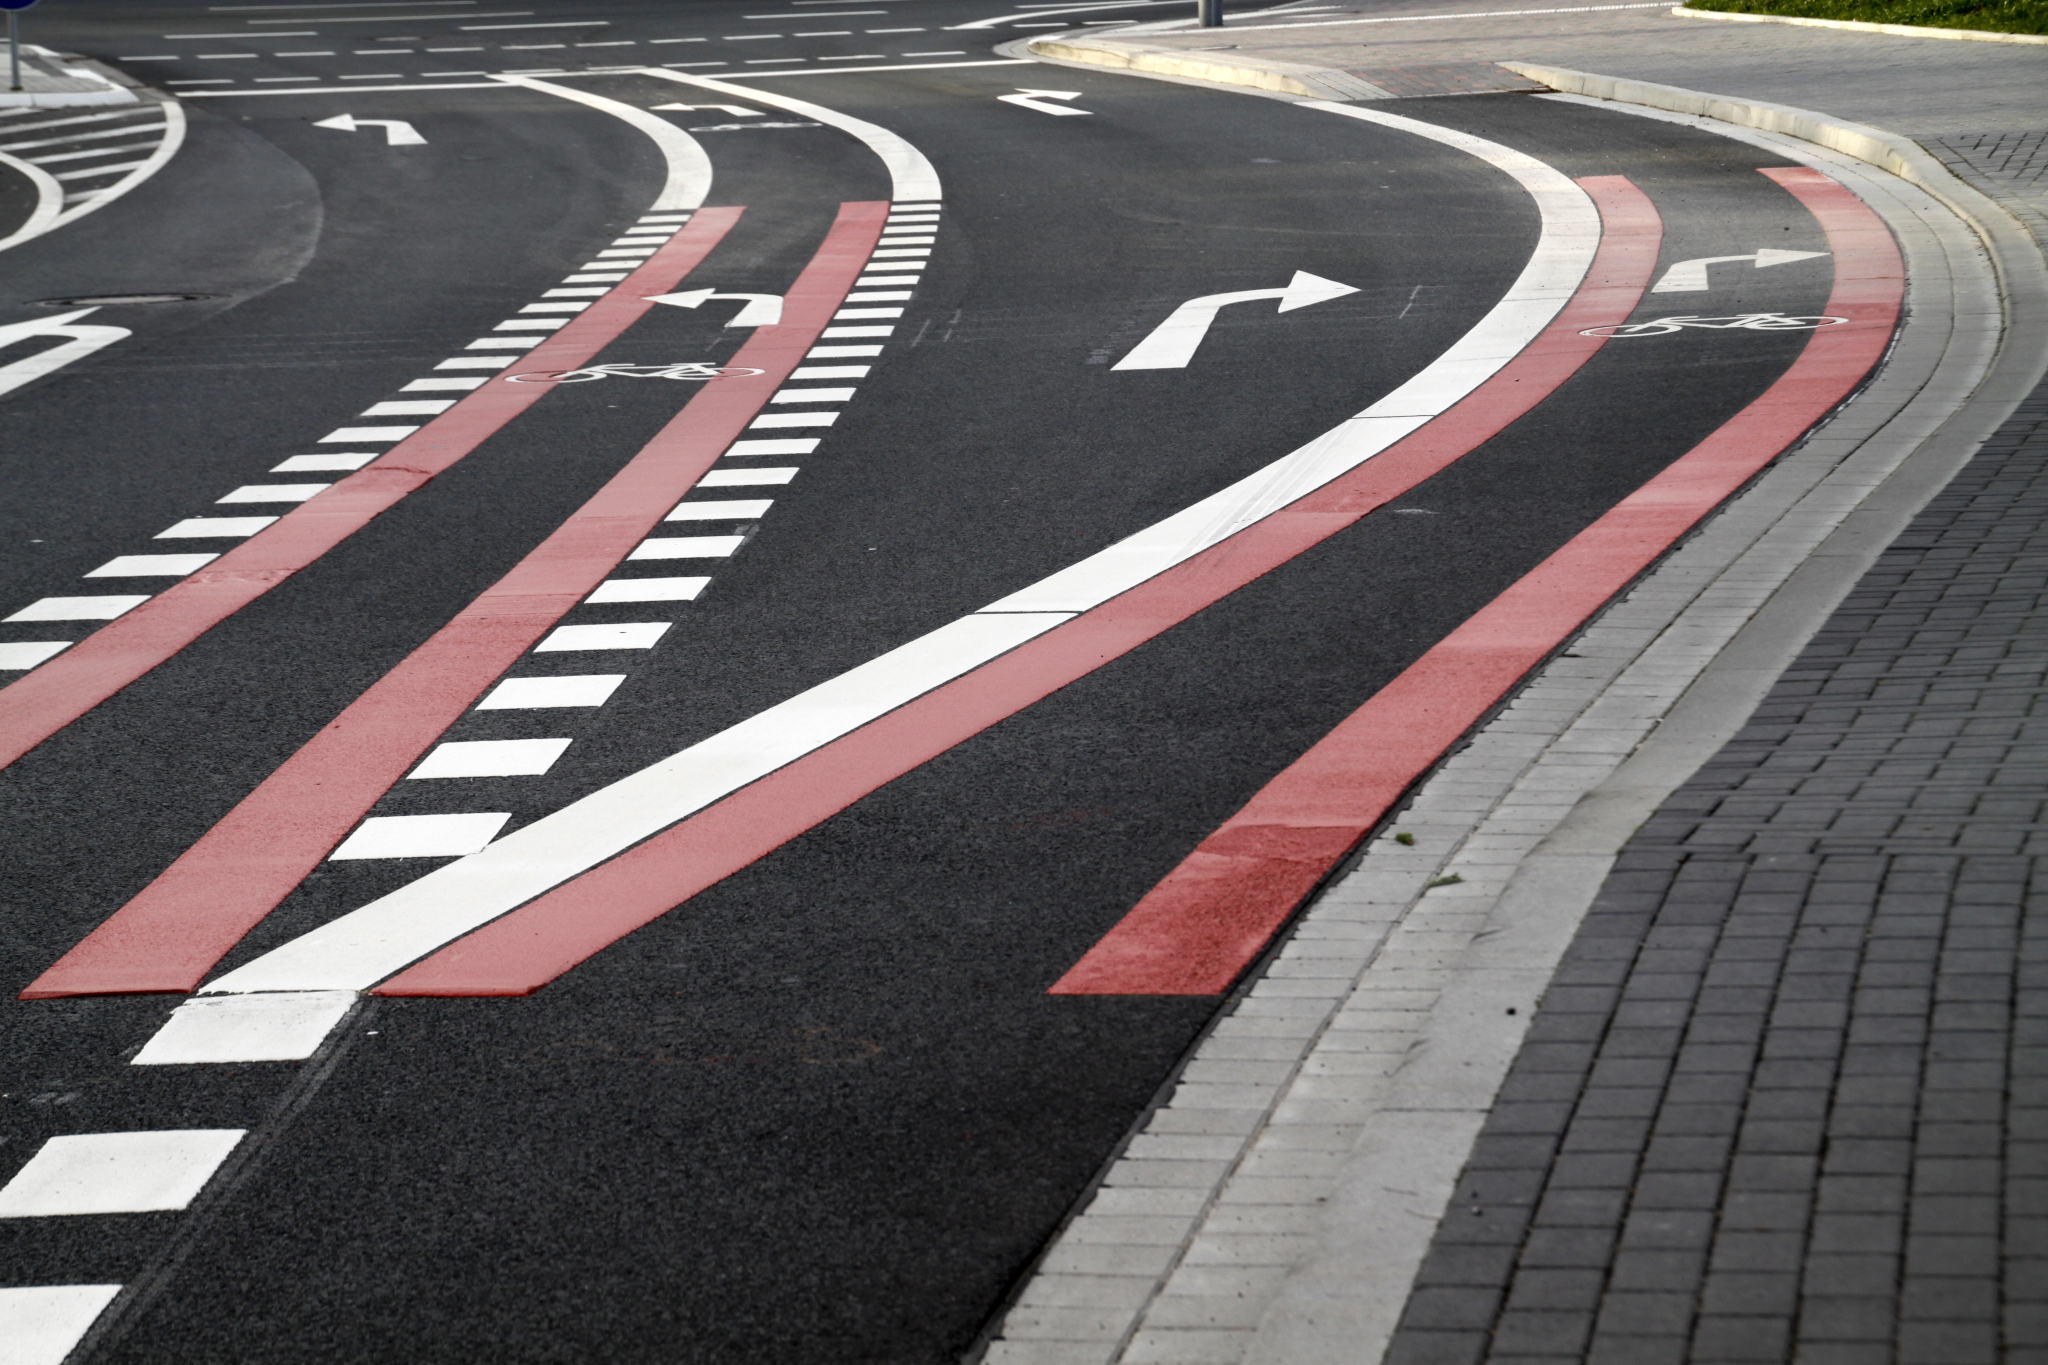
[[231, 878], [60, 690], [116, 1172]]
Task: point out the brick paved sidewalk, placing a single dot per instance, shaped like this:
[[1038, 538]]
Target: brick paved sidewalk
[[1787, 1098]]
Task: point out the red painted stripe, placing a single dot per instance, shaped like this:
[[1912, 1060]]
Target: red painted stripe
[[189, 917], [526, 949], [1209, 917], [46, 700]]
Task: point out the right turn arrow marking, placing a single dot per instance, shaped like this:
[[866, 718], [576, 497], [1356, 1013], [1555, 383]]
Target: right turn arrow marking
[[1173, 342]]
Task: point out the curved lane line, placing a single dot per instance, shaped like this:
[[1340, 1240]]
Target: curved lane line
[[689, 169], [182, 923], [1195, 931], [49, 202], [50, 697], [910, 173], [50, 212], [174, 138], [829, 733]]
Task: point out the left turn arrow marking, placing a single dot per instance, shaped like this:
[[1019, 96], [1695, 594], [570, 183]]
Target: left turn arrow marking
[[397, 132], [1036, 99]]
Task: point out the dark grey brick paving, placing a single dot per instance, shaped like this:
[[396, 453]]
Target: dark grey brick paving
[[1787, 1098], [2010, 167]]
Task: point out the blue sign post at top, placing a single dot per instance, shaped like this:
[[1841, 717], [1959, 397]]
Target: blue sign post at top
[[14, 41]]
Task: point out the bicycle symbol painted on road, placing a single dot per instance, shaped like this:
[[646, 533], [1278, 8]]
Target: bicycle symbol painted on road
[[1747, 322], [689, 369]]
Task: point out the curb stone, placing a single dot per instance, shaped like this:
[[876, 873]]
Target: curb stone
[[1968, 35]]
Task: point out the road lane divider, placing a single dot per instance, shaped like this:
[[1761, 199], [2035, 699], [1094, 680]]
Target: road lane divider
[[912, 176], [659, 836], [73, 681], [170, 934], [1208, 918]]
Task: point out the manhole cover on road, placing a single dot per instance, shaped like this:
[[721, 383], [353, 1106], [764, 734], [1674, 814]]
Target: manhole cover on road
[[84, 300]]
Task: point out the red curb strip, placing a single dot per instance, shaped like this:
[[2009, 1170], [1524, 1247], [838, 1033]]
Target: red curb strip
[[190, 916], [522, 951], [46, 700], [1209, 917]]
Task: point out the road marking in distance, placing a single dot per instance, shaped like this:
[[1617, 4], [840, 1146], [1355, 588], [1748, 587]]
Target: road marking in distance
[[397, 132], [1036, 99]]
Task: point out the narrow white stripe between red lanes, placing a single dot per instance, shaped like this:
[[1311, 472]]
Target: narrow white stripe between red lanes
[[363, 947]]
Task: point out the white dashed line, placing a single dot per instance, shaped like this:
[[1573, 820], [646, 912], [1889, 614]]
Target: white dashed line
[[490, 758], [117, 1172], [634, 635], [281, 1026]]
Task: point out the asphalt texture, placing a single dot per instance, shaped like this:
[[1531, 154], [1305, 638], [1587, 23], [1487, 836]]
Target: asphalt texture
[[825, 1111]]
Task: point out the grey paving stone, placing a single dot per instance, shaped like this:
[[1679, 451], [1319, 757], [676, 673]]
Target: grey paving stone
[[1791, 1082]]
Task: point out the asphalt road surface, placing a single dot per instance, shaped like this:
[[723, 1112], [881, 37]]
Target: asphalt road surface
[[824, 1108]]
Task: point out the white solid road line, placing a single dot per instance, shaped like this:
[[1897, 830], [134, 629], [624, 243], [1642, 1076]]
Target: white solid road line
[[117, 1172], [49, 202], [911, 175], [689, 169], [42, 1324], [363, 947], [367, 945], [207, 528], [279, 1027]]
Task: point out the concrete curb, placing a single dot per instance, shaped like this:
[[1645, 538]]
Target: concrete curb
[[1286, 78], [1968, 35], [58, 80], [1891, 152]]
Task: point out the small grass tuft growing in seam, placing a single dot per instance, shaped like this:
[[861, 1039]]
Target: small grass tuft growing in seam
[[1995, 16]]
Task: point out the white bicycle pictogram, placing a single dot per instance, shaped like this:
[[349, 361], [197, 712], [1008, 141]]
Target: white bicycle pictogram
[[1748, 322], [688, 369]]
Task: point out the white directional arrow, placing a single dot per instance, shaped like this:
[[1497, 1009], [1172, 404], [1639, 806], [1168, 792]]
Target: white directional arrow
[[762, 310], [732, 109], [397, 132], [1690, 277], [81, 340], [1034, 99], [1173, 342]]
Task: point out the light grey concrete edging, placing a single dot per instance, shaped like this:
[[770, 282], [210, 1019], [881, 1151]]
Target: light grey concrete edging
[[1275, 1209], [1287, 78], [56, 80], [1968, 35]]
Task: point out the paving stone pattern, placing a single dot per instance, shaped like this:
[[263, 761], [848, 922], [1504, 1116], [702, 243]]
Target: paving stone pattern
[[1787, 1097], [2011, 167]]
